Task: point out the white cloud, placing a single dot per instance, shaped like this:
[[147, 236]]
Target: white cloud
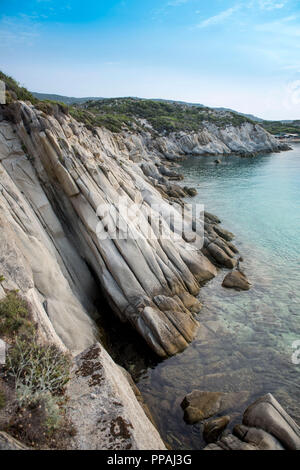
[[272, 4], [219, 18]]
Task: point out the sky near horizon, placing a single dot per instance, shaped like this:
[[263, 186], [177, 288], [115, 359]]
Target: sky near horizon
[[243, 55]]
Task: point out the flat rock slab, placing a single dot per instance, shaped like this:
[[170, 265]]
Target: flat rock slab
[[104, 409], [236, 280], [200, 405]]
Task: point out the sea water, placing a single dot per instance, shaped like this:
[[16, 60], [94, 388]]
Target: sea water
[[246, 341]]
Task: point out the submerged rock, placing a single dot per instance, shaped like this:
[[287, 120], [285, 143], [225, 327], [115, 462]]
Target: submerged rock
[[192, 192], [266, 426], [257, 437], [236, 280], [267, 414], [199, 405], [214, 428], [230, 442]]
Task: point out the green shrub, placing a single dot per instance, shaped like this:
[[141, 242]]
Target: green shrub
[[40, 424], [51, 107], [15, 316], [114, 113], [53, 412], [37, 370], [277, 127]]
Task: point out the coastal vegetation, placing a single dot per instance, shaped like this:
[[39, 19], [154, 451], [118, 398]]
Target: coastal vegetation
[[163, 117], [15, 316], [116, 114], [278, 127], [35, 376]]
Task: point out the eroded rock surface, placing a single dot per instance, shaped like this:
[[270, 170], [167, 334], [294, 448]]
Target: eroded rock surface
[[60, 186], [248, 139], [104, 409], [266, 426]]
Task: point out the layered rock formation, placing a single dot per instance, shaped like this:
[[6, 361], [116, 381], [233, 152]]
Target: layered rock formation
[[60, 190], [246, 139], [59, 185]]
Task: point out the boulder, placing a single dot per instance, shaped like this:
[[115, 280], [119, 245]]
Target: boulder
[[236, 280], [267, 414], [211, 218], [192, 192], [199, 405], [174, 190], [257, 437], [266, 426], [230, 442], [214, 428], [228, 236], [220, 256], [172, 175]]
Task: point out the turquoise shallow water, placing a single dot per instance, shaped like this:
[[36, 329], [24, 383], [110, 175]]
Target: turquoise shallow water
[[245, 339]]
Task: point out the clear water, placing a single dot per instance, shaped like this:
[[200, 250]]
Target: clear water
[[245, 339]]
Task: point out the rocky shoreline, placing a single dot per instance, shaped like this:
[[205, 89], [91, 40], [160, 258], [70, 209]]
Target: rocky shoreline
[[54, 175]]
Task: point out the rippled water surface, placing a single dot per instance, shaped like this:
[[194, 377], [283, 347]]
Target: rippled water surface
[[245, 339]]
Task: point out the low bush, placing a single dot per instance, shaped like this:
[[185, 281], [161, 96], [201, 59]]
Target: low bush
[[41, 424], [37, 375], [38, 370], [15, 316]]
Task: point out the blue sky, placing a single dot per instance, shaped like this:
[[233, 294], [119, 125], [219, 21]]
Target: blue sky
[[239, 54]]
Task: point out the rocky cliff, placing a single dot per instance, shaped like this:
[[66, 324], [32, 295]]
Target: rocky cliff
[[60, 184], [246, 139]]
